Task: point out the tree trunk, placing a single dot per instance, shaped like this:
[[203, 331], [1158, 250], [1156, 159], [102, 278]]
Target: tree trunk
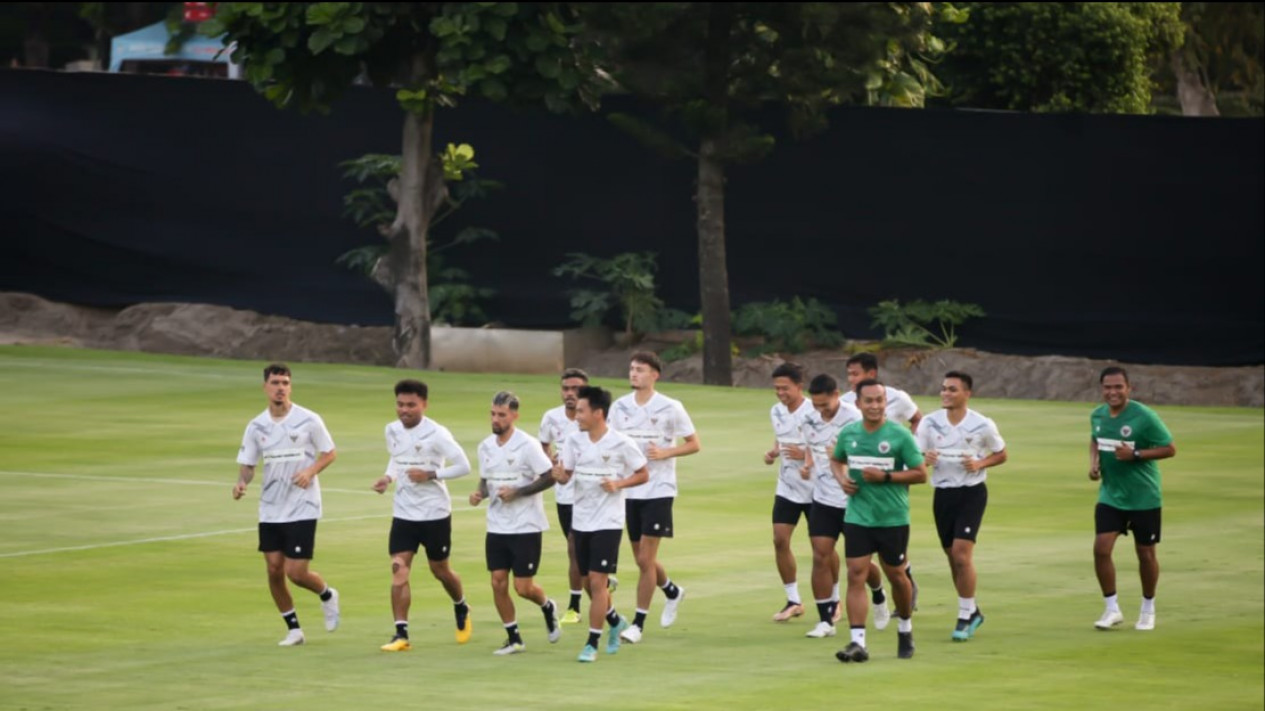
[[1192, 92], [713, 272], [414, 209]]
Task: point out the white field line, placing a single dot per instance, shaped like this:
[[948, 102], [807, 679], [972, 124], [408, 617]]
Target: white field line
[[161, 539]]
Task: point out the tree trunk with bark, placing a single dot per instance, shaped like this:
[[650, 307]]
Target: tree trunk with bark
[[1192, 91], [713, 270], [421, 189]]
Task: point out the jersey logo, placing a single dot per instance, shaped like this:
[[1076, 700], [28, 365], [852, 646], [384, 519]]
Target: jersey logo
[[884, 447], [417, 448], [1126, 431], [510, 461], [654, 420], [606, 457], [294, 437], [854, 444]]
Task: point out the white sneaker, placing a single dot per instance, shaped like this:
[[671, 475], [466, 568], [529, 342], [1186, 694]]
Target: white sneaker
[[670, 607], [1109, 619], [330, 608], [510, 648], [552, 626], [882, 616], [632, 635], [823, 629], [293, 639], [1146, 621]]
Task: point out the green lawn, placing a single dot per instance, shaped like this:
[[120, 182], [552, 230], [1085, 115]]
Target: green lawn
[[129, 577]]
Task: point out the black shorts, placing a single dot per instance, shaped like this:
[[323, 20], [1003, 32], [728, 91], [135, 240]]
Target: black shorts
[[788, 512], [959, 512], [825, 521], [648, 517], [890, 542], [597, 551], [519, 552], [564, 519], [1145, 524], [435, 535], [295, 539]]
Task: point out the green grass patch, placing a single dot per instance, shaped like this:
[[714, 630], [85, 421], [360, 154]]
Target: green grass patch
[[129, 577]]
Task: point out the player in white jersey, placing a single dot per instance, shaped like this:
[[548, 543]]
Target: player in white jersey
[[900, 408], [794, 496], [513, 473], [961, 445], [554, 428], [295, 446], [655, 422], [825, 518], [602, 463], [423, 456]]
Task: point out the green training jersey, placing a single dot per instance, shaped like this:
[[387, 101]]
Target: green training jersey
[[1130, 485], [891, 448]]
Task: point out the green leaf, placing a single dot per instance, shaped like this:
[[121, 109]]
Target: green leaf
[[354, 25], [548, 67], [347, 46], [320, 40], [496, 27], [498, 64], [276, 55], [494, 89]]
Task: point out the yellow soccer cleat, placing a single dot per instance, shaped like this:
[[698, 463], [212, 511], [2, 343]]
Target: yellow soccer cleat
[[397, 644], [570, 617], [465, 627]]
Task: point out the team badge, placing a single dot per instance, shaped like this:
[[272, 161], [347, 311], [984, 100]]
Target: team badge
[[294, 437], [654, 420], [417, 448], [884, 447], [606, 458], [1126, 431], [510, 461]]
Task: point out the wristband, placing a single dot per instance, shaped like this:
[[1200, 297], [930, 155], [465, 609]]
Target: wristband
[[887, 477], [1137, 454]]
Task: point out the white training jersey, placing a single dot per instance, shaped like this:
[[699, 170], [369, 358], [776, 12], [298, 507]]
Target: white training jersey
[[286, 447], [820, 436], [660, 421], [900, 406], [428, 446], [518, 462], [788, 429], [554, 428], [975, 436], [614, 456]]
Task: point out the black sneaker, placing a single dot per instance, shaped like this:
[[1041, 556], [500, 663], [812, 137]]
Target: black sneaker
[[905, 645], [852, 653]]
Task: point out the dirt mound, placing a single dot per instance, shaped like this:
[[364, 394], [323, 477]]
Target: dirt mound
[[202, 329]]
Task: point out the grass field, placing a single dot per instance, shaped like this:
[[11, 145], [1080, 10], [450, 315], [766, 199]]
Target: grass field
[[129, 577]]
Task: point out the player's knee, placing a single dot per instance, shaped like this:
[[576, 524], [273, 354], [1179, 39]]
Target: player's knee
[[523, 586]]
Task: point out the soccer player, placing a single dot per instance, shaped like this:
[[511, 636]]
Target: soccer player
[[961, 445], [655, 422], [875, 461], [900, 408], [555, 426], [825, 517], [794, 495], [423, 456], [1127, 439], [513, 472], [603, 463], [295, 447]]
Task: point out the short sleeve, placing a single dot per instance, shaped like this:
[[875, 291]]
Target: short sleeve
[[1157, 433], [545, 436], [539, 463], [248, 454], [568, 458], [841, 452], [684, 425], [321, 438], [633, 458], [992, 437], [910, 453]]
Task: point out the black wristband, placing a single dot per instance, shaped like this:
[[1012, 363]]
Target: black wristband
[[887, 477], [1137, 454]]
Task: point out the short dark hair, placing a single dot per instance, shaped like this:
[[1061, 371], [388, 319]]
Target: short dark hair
[[794, 371], [867, 383], [867, 361], [275, 369], [505, 398], [1113, 370], [574, 373], [823, 385], [966, 379], [597, 398], [412, 387], [647, 358]]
